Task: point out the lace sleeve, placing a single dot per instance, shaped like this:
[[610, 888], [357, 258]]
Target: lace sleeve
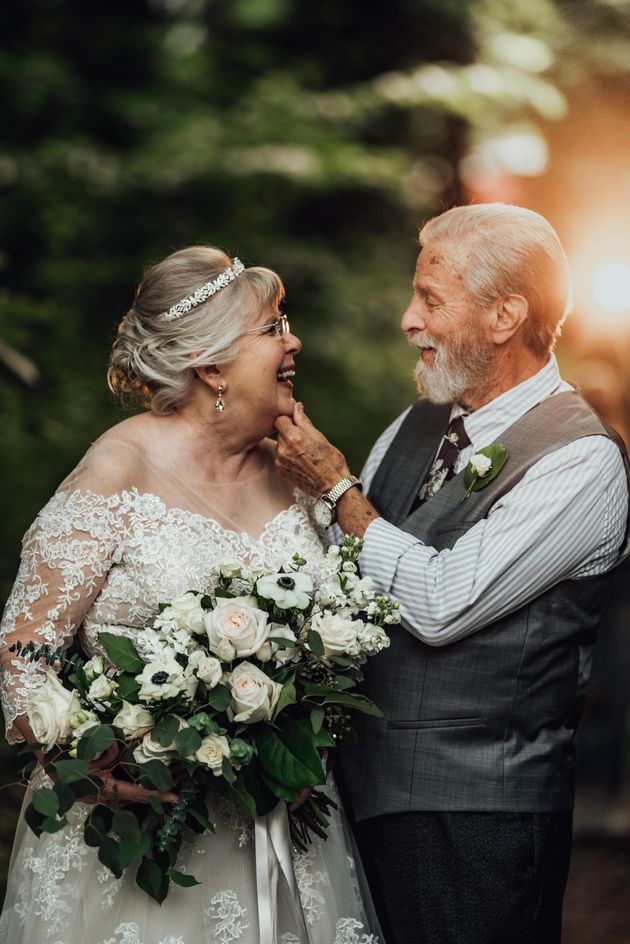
[[66, 555]]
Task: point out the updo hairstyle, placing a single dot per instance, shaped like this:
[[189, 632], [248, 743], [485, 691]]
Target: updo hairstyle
[[152, 359]]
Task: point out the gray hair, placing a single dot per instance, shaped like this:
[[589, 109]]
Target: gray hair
[[152, 359], [510, 251]]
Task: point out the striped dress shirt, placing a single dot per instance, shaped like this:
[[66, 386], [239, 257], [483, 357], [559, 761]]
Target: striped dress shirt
[[565, 519]]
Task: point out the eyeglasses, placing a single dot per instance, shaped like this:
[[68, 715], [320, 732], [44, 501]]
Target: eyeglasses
[[278, 328]]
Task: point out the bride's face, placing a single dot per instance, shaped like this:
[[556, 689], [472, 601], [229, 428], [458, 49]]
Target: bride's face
[[260, 377]]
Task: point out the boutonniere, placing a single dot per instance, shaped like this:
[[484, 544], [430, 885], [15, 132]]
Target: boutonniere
[[484, 466]]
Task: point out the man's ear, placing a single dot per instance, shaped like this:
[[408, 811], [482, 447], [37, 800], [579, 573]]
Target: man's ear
[[507, 317], [210, 375]]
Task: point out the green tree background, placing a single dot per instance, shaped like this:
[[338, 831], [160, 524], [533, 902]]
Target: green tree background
[[311, 138]]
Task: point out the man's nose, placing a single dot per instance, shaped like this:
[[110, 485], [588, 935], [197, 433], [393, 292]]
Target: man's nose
[[413, 317]]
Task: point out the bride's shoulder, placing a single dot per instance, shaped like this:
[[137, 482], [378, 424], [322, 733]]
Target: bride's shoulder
[[115, 461]]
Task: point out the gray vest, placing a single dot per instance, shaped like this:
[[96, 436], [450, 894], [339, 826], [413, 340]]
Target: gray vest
[[487, 722]]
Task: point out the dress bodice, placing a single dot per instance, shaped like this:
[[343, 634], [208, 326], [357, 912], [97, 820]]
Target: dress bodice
[[92, 562]]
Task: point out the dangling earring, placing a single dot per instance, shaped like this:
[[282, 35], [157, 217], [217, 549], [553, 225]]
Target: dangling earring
[[220, 405]]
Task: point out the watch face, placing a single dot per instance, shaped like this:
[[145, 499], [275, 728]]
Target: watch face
[[323, 513]]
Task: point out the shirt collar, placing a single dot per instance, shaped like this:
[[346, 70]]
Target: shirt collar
[[488, 422]]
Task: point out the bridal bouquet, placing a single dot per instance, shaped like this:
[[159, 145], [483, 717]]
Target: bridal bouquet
[[246, 688]]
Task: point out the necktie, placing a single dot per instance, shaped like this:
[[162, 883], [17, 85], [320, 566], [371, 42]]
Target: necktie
[[443, 468]]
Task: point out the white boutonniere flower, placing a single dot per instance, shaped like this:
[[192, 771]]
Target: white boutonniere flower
[[483, 467]]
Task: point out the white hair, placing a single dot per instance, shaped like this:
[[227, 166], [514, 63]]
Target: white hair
[[510, 251], [153, 359]]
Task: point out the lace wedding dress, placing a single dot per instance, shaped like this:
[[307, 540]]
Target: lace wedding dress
[[95, 559]]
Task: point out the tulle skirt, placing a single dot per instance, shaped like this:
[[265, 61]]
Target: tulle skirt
[[59, 893]]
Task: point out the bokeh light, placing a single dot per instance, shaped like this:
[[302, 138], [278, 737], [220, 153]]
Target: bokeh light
[[611, 285]]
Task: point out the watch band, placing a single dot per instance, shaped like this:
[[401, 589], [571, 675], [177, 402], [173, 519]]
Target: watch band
[[340, 488]]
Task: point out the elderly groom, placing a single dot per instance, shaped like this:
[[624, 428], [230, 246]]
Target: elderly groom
[[462, 796]]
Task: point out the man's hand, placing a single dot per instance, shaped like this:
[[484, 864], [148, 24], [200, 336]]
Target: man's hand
[[306, 457], [120, 791]]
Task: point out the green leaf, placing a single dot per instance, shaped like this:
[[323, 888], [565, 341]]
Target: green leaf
[[315, 642], [219, 697], [156, 805], [286, 752], [187, 742], [95, 742], [283, 642], [125, 825], [355, 701], [317, 718], [66, 797], [69, 771], [229, 774], [288, 696], [342, 682], [109, 855], [164, 733], [226, 594], [46, 801], [121, 652], [52, 825], [34, 819], [129, 851], [154, 774], [324, 738], [200, 818], [128, 688], [279, 789], [498, 455], [97, 825], [186, 881], [264, 800], [344, 661], [152, 880]]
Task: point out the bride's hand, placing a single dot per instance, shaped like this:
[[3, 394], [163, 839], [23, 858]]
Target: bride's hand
[[120, 791]]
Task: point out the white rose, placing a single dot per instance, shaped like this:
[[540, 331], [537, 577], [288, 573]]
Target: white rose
[[101, 688], [236, 628], [164, 678], [338, 635], [49, 709], [281, 654], [480, 464], [209, 670], [211, 752], [230, 569], [254, 694], [186, 611], [149, 749], [134, 720], [96, 666], [286, 590]]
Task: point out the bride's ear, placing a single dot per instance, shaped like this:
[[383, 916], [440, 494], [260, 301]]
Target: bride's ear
[[210, 375]]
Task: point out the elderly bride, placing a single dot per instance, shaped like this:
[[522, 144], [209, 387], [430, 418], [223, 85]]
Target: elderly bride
[[155, 505]]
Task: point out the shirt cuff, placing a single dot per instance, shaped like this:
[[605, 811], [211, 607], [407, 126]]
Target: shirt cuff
[[383, 546]]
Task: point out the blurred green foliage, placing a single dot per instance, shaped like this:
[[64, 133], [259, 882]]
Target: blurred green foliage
[[311, 138]]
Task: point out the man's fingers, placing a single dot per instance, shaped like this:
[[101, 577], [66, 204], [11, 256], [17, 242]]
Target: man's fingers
[[283, 424]]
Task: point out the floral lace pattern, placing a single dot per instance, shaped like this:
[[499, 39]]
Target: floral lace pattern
[[226, 913], [347, 932], [307, 880], [43, 889], [91, 563], [129, 933], [236, 821]]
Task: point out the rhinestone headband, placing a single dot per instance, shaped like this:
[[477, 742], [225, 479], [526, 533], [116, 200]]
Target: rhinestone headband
[[204, 292]]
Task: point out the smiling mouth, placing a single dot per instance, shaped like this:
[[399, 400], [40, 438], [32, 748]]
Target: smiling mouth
[[284, 376]]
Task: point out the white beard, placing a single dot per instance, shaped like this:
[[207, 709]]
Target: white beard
[[459, 367]]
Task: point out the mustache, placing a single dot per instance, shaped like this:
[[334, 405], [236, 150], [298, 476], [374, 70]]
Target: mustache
[[421, 340]]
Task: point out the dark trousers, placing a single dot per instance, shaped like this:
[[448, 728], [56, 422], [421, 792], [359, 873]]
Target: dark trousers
[[467, 878]]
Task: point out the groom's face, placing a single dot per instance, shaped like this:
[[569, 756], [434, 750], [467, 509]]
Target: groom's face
[[450, 330]]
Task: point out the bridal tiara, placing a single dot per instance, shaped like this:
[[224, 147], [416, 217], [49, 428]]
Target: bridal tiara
[[204, 292]]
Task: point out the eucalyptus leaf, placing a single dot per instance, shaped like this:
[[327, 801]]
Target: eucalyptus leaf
[[155, 775], [219, 697], [179, 878], [45, 801], [52, 825], [152, 880], [69, 771], [164, 733], [187, 742], [95, 742]]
